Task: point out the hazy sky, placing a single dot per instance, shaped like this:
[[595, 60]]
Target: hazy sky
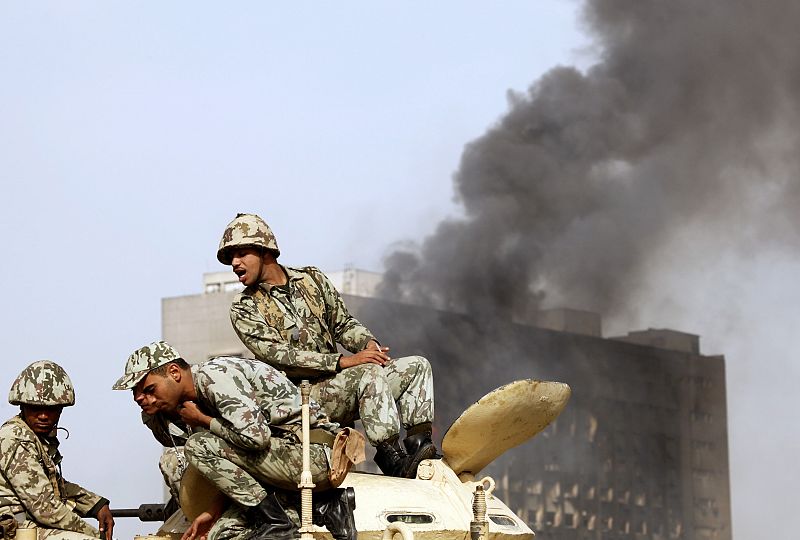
[[131, 133]]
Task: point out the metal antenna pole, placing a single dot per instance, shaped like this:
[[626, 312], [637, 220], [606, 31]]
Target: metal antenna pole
[[478, 527], [306, 481]]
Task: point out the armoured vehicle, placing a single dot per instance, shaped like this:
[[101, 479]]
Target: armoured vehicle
[[448, 500]]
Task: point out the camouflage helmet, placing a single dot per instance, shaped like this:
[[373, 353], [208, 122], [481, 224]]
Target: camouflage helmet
[[42, 383], [246, 230], [143, 360]]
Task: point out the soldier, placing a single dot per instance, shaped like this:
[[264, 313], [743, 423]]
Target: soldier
[[32, 491], [292, 318], [245, 419]]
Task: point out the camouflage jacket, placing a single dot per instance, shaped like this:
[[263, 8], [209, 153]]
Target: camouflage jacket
[[31, 482], [296, 327], [249, 399], [169, 433]]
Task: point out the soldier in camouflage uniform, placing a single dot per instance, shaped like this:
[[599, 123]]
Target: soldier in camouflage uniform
[[244, 419], [32, 491], [293, 318]]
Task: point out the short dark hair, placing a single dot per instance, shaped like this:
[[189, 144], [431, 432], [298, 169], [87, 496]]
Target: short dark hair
[[161, 371]]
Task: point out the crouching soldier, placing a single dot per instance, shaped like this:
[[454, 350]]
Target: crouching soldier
[[245, 420], [32, 490]]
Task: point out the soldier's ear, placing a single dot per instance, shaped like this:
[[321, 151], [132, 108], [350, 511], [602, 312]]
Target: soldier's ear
[[174, 372]]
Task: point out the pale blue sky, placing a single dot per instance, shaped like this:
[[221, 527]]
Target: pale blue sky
[[132, 132]]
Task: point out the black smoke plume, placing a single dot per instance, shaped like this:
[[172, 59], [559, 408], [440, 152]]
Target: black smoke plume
[[686, 126]]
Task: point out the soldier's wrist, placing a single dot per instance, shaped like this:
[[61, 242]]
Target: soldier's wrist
[[339, 364]]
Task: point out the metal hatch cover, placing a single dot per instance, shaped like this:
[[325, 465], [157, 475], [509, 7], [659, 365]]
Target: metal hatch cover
[[500, 420]]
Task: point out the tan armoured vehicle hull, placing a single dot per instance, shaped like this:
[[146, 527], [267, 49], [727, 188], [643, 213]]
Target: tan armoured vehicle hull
[[438, 504]]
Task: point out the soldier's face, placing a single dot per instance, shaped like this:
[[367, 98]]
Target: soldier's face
[[247, 263], [41, 419], [157, 393]]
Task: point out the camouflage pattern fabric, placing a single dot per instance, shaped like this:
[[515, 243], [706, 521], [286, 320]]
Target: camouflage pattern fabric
[[166, 431], [251, 439], [241, 474], [232, 525], [30, 482], [144, 359], [246, 230], [284, 327], [249, 399], [172, 465], [380, 396], [42, 383]]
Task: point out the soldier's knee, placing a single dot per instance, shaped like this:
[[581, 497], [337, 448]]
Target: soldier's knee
[[197, 445], [170, 460], [417, 364], [372, 380], [371, 371], [422, 363]]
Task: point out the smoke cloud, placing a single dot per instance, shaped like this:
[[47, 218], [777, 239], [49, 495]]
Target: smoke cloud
[[686, 127]]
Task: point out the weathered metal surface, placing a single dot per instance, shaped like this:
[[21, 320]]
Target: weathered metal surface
[[197, 493], [443, 499], [502, 419], [437, 505]]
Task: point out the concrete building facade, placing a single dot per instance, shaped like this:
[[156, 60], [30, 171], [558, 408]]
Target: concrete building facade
[[639, 453]]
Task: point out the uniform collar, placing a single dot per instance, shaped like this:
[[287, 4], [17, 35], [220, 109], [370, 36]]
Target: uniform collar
[[291, 274]]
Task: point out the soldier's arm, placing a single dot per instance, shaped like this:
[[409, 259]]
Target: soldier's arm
[[160, 428], [347, 330], [87, 504], [268, 345], [31, 484], [238, 417]]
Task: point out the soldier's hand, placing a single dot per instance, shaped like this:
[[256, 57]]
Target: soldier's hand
[[373, 345], [106, 521], [367, 356], [200, 527], [192, 415]]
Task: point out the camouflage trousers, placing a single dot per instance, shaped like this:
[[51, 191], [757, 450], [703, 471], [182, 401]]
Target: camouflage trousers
[[382, 397], [240, 474], [232, 525], [172, 465]]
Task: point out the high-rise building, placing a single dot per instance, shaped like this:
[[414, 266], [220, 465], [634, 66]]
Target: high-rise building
[[639, 453]]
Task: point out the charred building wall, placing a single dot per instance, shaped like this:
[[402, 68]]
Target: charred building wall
[[639, 453]]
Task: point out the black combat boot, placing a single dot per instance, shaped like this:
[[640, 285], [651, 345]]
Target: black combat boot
[[270, 521], [333, 509], [391, 458], [419, 444]]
